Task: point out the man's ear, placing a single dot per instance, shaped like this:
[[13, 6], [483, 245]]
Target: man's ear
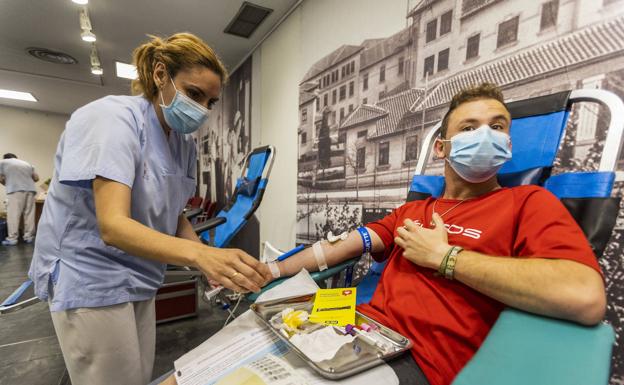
[[438, 148]]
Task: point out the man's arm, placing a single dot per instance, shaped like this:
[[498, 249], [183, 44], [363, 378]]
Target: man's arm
[[35, 176], [552, 287], [335, 253]]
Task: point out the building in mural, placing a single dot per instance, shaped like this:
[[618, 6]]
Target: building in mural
[[364, 109]]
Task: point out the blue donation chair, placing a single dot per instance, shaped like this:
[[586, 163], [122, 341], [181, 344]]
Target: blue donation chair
[[525, 348], [246, 198]]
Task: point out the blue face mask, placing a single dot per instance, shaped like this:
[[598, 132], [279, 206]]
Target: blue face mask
[[183, 114], [477, 155]]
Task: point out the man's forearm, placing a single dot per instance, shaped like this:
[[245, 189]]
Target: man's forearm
[[552, 287], [335, 253]]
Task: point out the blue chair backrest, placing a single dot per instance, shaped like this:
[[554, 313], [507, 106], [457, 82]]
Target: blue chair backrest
[[246, 198]]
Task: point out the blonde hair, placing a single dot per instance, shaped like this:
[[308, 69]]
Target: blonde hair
[[177, 52]]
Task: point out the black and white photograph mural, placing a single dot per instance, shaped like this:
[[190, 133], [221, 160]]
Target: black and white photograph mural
[[365, 109], [225, 140]]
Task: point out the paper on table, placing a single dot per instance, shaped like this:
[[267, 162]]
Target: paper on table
[[269, 370], [299, 284], [242, 349]]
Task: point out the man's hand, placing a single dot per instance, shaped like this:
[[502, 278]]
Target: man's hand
[[424, 247]]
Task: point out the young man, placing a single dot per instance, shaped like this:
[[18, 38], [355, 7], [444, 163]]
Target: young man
[[444, 288], [19, 179]]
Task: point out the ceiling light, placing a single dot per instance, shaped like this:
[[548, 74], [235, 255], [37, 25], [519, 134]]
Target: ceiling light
[[9, 94], [96, 66], [85, 22], [81, 2], [88, 36], [126, 71]]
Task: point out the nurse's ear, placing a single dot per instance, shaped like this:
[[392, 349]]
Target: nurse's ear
[[161, 77]]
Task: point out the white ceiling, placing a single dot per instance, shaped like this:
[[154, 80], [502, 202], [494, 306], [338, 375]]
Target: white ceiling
[[120, 26]]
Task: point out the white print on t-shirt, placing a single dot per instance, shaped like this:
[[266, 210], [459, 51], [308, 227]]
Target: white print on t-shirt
[[456, 229]]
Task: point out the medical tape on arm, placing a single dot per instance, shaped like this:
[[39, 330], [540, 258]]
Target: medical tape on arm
[[275, 271], [319, 255]]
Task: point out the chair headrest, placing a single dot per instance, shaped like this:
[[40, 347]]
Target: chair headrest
[[537, 128]]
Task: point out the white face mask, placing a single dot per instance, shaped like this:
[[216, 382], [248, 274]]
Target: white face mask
[[477, 155]]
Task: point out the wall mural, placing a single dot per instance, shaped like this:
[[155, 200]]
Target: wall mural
[[226, 139], [365, 109]]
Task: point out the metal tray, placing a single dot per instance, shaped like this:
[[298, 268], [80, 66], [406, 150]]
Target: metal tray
[[352, 358]]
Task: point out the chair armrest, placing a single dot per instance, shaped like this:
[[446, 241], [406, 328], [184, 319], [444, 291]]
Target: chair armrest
[[525, 348], [192, 213], [209, 224]]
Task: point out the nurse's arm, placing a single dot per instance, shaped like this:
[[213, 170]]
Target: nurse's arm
[[185, 229], [232, 268], [335, 253]]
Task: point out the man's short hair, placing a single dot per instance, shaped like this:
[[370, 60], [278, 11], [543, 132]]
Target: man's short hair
[[8, 155], [482, 91]]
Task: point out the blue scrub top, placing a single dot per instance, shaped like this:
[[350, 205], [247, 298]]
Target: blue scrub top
[[119, 138]]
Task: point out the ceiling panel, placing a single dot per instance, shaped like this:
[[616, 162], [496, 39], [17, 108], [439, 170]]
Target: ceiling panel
[[120, 26]]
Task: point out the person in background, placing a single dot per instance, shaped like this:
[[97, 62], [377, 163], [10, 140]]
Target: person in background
[[125, 168], [19, 179]]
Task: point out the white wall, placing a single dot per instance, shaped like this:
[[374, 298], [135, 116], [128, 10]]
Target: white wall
[[32, 136], [314, 29], [280, 73]]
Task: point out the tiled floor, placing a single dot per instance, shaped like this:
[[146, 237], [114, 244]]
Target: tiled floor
[[30, 353]]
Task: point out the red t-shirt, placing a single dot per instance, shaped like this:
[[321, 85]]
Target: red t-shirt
[[446, 320]]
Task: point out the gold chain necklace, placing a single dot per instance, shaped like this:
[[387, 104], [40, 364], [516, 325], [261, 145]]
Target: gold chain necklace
[[444, 213]]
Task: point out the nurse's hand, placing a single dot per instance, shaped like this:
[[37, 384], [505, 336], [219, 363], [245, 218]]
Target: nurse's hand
[[234, 269]]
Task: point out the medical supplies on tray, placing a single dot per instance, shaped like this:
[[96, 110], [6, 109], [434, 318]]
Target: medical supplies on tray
[[331, 326]]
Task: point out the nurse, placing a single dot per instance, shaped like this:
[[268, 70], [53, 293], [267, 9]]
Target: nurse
[[125, 167]]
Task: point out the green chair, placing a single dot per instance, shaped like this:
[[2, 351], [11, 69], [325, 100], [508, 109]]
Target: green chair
[[524, 349]]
